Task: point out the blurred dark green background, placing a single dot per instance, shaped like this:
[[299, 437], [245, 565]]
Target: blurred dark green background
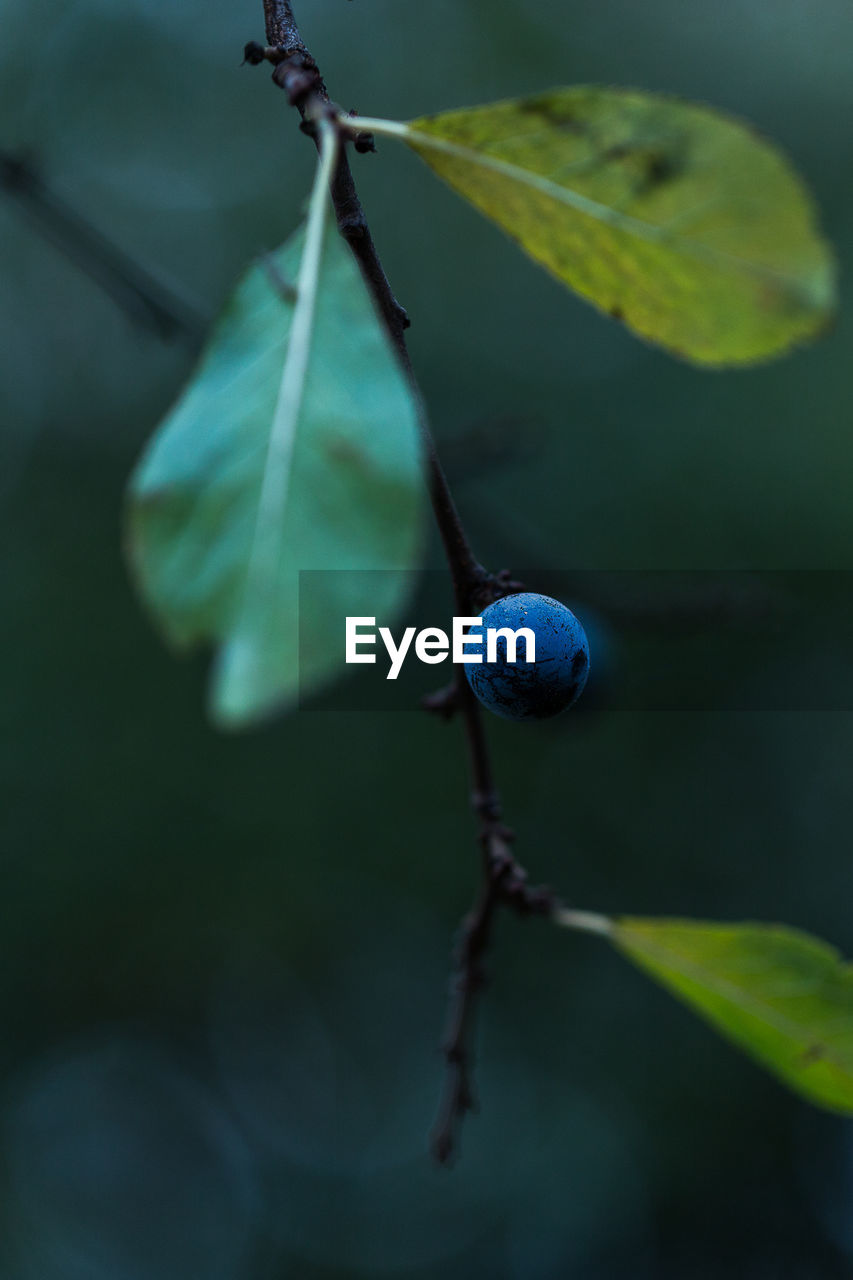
[[224, 960]]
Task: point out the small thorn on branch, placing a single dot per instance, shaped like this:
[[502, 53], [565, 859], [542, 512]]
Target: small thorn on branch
[[444, 702], [254, 53]]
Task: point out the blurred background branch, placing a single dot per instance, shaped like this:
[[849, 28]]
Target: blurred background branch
[[146, 300]]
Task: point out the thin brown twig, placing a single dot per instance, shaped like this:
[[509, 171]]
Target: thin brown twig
[[503, 881]]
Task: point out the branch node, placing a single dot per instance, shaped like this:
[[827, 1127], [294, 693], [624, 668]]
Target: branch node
[[297, 74], [487, 806], [353, 227]]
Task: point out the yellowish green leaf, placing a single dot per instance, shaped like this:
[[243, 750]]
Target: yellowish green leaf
[[784, 997], [675, 218]]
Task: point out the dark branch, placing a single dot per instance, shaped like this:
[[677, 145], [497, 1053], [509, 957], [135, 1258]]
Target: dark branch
[[503, 880], [504, 883]]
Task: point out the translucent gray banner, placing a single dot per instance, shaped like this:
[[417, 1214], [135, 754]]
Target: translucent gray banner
[[659, 641]]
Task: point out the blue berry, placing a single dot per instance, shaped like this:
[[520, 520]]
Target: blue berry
[[531, 691]]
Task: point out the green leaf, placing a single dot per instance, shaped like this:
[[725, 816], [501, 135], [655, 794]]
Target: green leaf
[[784, 997], [675, 218], [295, 446]]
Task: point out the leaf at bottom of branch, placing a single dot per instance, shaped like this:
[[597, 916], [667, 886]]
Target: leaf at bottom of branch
[[782, 996]]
